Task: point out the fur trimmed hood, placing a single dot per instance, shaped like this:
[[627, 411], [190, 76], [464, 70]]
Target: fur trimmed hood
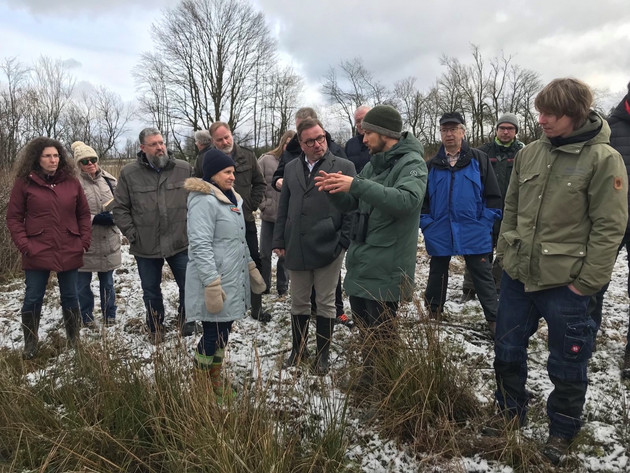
[[195, 184]]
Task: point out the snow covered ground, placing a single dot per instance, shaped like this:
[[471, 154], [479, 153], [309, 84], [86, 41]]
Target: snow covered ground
[[256, 352]]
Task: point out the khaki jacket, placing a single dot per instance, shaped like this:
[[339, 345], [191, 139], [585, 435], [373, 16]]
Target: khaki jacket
[[565, 212]]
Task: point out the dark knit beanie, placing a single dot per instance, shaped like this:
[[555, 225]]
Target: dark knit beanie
[[384, 120], [215, 161], [508, 118]]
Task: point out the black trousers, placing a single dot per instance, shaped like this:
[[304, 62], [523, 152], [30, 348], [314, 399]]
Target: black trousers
[[481, 273], [251, 237]]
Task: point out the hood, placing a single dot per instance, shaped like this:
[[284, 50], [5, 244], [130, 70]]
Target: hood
[[196, 184]]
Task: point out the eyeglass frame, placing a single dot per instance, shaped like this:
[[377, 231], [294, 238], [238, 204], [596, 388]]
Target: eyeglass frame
[[311, 143], [87, 161]]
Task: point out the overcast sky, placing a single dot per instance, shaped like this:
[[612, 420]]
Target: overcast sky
[[102, 39]]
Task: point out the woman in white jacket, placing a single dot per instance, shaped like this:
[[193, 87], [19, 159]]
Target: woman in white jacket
[[220, 269]]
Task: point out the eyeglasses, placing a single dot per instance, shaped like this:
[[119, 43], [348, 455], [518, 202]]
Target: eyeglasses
[[506, 128], [446, 131], [320, 139], [50, 156], [85, 162]]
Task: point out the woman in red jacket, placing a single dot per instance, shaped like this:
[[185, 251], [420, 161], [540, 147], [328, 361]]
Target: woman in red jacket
[[49, 220]]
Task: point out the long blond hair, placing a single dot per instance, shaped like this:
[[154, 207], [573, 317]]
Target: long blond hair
[[277, 151]]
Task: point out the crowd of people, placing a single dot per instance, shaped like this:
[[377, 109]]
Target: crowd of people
[[365, 203]]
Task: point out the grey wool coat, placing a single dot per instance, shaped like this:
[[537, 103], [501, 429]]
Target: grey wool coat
[[311, 230], [216, 247], [104, 252]]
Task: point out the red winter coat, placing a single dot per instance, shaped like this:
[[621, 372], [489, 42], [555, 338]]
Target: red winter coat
[[49, 221]]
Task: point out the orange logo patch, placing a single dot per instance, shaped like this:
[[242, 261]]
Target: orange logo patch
[[617, 183]]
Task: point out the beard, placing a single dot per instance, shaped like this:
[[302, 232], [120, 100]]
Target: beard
[[227, 150], [158, 161]]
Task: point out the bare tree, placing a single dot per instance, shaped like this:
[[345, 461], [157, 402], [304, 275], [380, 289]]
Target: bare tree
[[13, 97], [209, 51], [352, 86], [52, 87]]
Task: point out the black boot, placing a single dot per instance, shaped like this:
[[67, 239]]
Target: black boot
[[186, 329], [71, 320], [625, 369], [257, 311], [30, 326], [299, 330], [325, 328]]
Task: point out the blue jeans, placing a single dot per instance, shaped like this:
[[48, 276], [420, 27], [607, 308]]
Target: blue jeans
[[570, 343], [150, 271], [106, 291], [215, 335], [36, 281]]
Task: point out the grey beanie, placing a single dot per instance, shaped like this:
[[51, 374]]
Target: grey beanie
[[508, 118], [384, 120]]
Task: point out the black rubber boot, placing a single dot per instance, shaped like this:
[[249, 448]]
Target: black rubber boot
[[186, 329], [299, 330], [72, 322], [257, 311], [625, 369], [30, 327], [325, 328]]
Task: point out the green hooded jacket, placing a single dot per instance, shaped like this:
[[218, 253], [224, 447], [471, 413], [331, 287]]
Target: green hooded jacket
[[389, 191], [565, 212]]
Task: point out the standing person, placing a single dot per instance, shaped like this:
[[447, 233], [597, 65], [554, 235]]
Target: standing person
[[150, 210], [293, 150], [221, 270], [387, 198], [250, 185], [619, 122], [554, 259], [461, 204], [104, 253], [501, 152], [268, 213], [203, 142], [312, 235], [49, 221], [356, 150]]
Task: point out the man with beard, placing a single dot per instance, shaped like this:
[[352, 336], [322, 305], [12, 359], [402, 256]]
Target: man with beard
[[150, 210], [387, 198], [250, 185]]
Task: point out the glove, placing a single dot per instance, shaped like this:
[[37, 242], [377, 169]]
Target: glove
[[256, 282], [104, 218], [214, 296]]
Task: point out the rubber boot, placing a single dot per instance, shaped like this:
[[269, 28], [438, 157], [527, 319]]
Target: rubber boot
[[625, 369], [222, 391], [186, 329], [71, 320], [30, 327], [299, 330], [257, 311], [325, 328]]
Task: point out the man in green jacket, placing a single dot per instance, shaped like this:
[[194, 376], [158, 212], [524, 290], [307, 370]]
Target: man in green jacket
[[565, 214], [387, 198]]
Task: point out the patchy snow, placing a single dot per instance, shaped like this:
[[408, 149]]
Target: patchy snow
[[256, 351]]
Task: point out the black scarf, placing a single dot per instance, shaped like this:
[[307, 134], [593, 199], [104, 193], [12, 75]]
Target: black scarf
[[579, 138]]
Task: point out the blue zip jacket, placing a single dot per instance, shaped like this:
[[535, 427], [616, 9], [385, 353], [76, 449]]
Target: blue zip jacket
[[461, 204]]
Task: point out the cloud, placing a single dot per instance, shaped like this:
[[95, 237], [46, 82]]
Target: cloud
[[64, 7]]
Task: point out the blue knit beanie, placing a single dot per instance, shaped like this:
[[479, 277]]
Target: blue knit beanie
[[215, 161]]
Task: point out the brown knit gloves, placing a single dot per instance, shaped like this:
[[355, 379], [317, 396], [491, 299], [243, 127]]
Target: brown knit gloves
[[214, 296], [256, 282]]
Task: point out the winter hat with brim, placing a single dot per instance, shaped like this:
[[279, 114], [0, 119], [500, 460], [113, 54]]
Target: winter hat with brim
[[384, 120], [82, 151], [452, 117], [215, 161], [508, 118]]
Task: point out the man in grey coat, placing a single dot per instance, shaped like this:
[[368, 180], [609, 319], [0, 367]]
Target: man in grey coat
[[150, 210], [312, 235]]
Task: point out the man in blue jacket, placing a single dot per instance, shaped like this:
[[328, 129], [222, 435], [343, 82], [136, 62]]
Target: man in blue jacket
[[460, 206]]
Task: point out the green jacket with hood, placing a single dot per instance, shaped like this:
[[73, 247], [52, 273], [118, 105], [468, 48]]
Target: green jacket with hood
[[565, 212], [389, 191]]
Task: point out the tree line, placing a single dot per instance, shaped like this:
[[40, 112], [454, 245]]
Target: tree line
[[217, 60]]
